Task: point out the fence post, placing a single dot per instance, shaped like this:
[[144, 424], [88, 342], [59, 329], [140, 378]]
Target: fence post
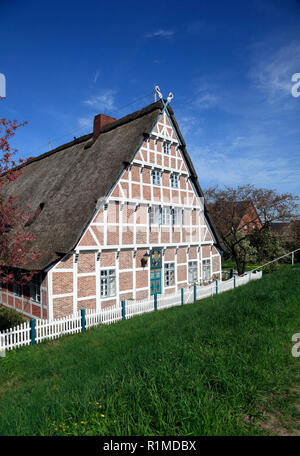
[[216, 287], [82, 319], [155, 301], [123, 309], [234, 282], [195, 292], [182, 296], [32, 331]]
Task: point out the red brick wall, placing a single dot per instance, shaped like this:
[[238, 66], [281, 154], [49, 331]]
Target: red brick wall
[[24, 304]]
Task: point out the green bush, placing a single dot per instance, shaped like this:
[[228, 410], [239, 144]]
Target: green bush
[[9, 318], [271, 267]]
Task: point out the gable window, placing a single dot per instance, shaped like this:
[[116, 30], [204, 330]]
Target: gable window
[[169, 274], [166, 216], [193, 271], [174, 180], [108, 283], [155, 215], [206, 274], [176, 216], [156, 177], [166, 147]]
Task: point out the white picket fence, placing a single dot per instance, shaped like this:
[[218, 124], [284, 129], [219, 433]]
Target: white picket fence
[[21, 335]]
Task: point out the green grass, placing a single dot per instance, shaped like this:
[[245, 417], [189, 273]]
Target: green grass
[[199, 369], [229, 264]]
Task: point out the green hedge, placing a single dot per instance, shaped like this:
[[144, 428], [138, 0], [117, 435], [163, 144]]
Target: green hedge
[[10, 318]]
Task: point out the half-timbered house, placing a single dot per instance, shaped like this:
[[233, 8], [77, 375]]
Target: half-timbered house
[[119, 214]]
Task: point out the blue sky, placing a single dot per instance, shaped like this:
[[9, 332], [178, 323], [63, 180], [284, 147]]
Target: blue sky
[[229, 65]]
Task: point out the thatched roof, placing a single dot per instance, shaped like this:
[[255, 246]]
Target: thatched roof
[[64, 185]]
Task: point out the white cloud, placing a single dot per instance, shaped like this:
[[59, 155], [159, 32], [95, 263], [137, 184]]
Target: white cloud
[[96, 76], [206, 100], [206, 94], [105, 101], [272, 70], [85, 123], [160, 33], [244, 160]]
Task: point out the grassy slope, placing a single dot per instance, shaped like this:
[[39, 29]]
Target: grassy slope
[[198, 369]]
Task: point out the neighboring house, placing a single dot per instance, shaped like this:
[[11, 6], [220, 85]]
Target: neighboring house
[[245, 217], [118, 214]]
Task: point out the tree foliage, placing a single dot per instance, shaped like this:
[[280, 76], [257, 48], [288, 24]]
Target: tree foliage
[[227, 207], [13, 236]]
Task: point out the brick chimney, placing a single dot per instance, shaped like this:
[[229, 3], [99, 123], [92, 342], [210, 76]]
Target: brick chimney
[[99, 121]]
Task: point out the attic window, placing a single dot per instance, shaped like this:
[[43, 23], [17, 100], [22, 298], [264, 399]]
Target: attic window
[[36, 214], [174, 180], [166, 147]]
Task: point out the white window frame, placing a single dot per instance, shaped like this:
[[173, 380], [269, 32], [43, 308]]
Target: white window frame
[[169, 267], [155, 215], [174, 180], [205, 263], [166, 147], [176, 216], [156, 177], [166, 216], [193, 266], [106, 277]]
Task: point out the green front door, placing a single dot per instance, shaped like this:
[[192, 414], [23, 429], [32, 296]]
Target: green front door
[[155, 282]]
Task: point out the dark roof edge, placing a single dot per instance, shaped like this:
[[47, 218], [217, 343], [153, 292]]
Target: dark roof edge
[[194, 176], [123, 120]]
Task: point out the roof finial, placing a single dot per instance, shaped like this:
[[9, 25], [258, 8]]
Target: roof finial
[[158, 92]]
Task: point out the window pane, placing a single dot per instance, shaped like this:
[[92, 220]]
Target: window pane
[[112, 286], [193, 271], [169, 274]]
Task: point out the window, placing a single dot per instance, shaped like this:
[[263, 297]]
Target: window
[[169, 274], [18, 289], [108, 283], [155, 215], [156, 177], [166, 216], [174, 180], [35, 288], [166, 147], [176, 216], [193, 271], [206, 276]]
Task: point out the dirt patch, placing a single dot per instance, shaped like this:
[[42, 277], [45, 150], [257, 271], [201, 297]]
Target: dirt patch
[[272, 424]]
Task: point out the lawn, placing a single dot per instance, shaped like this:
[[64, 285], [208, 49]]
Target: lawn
[[215, 367], [230, 264]]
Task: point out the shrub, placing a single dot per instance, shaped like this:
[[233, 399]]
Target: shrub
[[271, 267], [9, 318]]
